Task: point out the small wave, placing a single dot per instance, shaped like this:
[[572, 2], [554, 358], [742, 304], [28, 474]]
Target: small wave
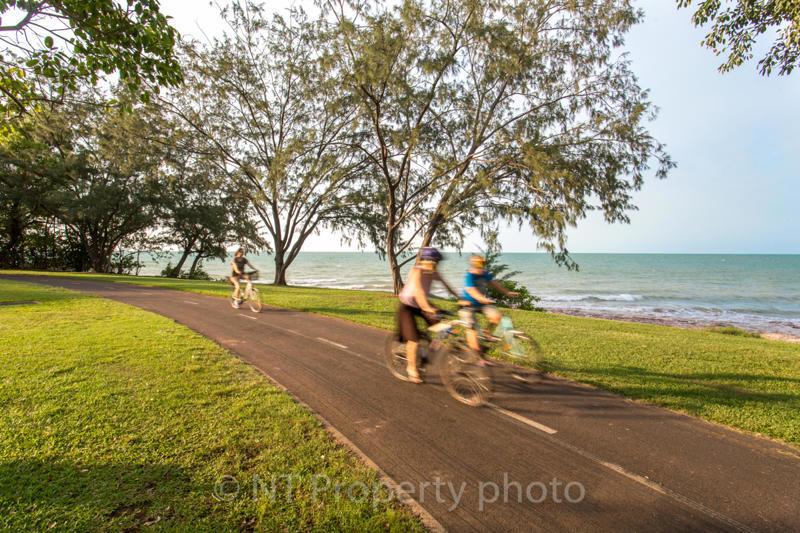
[[593, 298], [314, 281]]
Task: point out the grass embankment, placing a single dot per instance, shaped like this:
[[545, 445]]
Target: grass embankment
[[113, 418], [748, 383]]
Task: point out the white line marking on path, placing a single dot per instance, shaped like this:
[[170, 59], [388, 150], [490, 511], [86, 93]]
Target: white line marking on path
[[250, 317], [652, 485], [191, 302], [326, 341], [524, 420]]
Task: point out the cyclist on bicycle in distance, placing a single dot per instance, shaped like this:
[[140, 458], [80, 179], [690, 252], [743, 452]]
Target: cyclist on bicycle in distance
[[238, 273], [414, 303], [476, 283]]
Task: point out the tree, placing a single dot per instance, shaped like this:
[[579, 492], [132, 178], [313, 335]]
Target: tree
[[500, 273], [30, 171], [481, 111], [274, 117], [69, 41], [113, 193], [205, 213], [735, 30]]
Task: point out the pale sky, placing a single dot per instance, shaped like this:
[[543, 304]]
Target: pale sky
[[735, 137]]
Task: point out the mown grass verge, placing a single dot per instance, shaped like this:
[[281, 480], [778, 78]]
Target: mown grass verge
[[747, 383], [113, 418]]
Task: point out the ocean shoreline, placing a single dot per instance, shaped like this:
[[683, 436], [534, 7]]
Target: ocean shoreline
[[672, 321], [684, 323]]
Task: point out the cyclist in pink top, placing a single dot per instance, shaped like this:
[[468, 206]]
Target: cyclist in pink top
[[414, 303]]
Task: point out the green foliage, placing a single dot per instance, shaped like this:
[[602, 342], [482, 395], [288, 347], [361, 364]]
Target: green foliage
[[500, 273], [736, 332], [274, 119], [736, 29], [198, 273], [58, 44], [204, 212], [124, 262]]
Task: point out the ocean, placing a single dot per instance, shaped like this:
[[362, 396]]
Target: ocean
[[755, 292]]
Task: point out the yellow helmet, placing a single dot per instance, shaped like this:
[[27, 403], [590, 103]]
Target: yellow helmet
[[477, 261]]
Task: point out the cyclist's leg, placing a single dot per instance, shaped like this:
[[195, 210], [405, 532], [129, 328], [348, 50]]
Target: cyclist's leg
[[492, 314], [236, 290], [248, 286], [468, 316], [410, 334]]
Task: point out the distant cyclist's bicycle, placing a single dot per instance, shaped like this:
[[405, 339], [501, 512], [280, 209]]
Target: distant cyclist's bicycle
[[249, 294]]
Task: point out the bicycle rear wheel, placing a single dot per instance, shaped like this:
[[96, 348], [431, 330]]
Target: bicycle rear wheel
[[254, 301], [465, 376]]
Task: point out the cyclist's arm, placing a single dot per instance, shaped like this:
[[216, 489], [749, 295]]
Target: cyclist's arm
[[475, 293], [251, 266], [447, 286], [499, 287]]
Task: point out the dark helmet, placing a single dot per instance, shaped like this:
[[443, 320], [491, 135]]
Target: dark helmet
[[430, 253]]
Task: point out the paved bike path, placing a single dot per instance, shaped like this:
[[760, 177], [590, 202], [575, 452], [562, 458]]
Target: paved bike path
[[637, 467]]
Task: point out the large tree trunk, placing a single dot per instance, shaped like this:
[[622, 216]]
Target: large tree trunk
[[176, 271], [394, 266], [433, 226], [280, 268], [197, 260]]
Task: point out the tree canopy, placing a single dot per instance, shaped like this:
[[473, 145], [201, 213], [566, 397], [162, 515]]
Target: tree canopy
[[480, 111], [737, 25], [275, 120], [50, 47]]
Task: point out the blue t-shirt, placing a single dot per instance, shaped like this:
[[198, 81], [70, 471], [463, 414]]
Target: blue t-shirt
[[478, 281]]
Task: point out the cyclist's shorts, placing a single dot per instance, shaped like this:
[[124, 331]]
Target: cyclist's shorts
[[467, 314], [407, 323]]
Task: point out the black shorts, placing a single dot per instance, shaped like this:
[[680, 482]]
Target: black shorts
[[407, 322]]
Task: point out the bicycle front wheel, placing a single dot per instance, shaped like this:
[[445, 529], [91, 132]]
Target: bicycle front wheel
[[465, 376], [394, 354], [254, 301]]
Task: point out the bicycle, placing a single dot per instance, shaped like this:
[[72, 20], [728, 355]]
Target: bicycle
[[515, 345], [464, 373], [250, 294]]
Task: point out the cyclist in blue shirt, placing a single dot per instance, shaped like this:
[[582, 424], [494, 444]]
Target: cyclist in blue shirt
[[476, 284]]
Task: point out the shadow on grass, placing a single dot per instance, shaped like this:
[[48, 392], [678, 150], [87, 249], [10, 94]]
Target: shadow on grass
[[692, 391], [125, 496]]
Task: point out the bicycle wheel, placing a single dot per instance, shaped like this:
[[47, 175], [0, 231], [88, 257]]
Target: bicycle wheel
[[254, 301], [394, 353], [465, 376]]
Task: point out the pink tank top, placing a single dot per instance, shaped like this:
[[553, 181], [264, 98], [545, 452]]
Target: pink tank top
[[425, 279]]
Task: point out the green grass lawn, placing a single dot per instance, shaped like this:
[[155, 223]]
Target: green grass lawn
[[748, 383], [113, 418]]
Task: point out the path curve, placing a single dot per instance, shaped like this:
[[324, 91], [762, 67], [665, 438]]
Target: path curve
[[636, 467]]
